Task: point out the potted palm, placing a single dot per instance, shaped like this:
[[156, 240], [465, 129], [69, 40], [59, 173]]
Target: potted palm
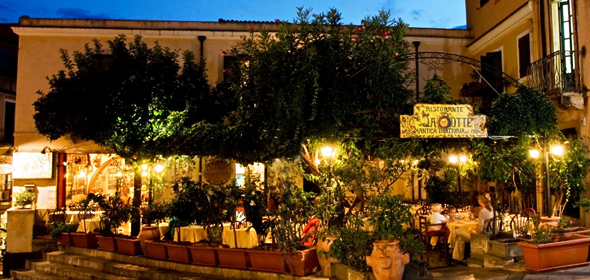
[[388, 215], [211, 218], [153, 215]]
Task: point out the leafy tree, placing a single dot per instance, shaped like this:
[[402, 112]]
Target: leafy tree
[[130, 100], [316, 80]]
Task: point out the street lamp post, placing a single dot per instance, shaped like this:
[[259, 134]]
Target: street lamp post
[[461, 160], [556, 150]]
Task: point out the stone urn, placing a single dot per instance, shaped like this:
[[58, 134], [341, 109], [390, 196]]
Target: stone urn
[[387, 260], [323, 245]]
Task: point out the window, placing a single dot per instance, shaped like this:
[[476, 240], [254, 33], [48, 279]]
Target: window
[[491, 68], [229, 62], [482, 2], [524, 55], [566, 35]]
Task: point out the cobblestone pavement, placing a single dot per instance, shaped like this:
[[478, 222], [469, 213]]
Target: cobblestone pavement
[[513, 272]]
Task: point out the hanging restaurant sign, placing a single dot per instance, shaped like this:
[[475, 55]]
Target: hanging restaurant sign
[[443, 121]]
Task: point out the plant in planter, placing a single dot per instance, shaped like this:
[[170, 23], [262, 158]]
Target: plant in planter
[[153, 213], [24, 199], [545, 252], [387, 215], [116, 212], [294, 211], [61, 232], [86, 207]]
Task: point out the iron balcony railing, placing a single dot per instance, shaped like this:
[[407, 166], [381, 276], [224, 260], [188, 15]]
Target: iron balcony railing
[[556, 73]]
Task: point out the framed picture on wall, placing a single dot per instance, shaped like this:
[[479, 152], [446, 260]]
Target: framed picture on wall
[[32, 165]]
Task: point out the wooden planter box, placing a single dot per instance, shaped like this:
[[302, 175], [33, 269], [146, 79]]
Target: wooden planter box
[[128, 246], [203, 255], [155, 250], [232, 258], [64, 239], [106, 243], [267, 261], [84, 240], [302, 263], [567, 251], [178, 252]]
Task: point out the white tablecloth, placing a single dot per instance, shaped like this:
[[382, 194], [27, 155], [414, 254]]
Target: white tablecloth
[[469, 226], [191, 234], [90, 225], [246, 238]]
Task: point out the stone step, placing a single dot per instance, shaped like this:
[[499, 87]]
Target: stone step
[[73, 272], [121, 269], [32, 275]]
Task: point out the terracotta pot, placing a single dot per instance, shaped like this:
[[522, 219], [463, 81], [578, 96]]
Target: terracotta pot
[[302, 263], [84, 240], [387, 260], [64, 239], [268, 261], [178, 252], [106, 243], [232, 258], [324, 245], [148, 233], [155, 250], [128, 246], [202, 254], [567, 251]]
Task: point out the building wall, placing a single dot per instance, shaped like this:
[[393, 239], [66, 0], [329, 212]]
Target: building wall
[[481, 19]]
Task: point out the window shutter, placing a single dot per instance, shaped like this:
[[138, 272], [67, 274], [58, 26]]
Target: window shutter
[[524, 55]]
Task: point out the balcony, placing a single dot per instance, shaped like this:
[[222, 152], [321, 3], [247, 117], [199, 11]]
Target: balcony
[[558, 74], [7, 85]]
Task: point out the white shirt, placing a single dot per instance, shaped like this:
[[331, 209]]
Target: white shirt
[[436, 218], [484, 215]]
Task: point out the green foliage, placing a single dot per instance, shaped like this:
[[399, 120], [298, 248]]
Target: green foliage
[[294, 211], [527, 112], [24, 198], [133, 97], [55, 230], [540, 234], [568, 174], [438, 189], [190, 202], [116, 212], [387, 215], [351, 247], [155, 212], [313, 79]]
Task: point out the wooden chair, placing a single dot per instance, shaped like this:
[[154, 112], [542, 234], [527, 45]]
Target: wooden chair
[[490, 226], [426, 232], [59, 216], [423, 211], [518, 224]]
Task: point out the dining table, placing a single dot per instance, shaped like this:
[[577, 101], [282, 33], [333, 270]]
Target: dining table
[[246, 238], [88, 225], [191, 234], [467, 225]]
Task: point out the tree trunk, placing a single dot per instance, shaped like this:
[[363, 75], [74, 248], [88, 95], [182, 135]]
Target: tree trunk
[[136, 223]]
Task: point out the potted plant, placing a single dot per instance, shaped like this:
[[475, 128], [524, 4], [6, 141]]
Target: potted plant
[[86, 207], [388, 215], [61, 233], [546, 251], [293, 213], [188, 208], [265, 257], [115, 213], [211, 213], [153, 213], [24, 199], [224, 203]]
